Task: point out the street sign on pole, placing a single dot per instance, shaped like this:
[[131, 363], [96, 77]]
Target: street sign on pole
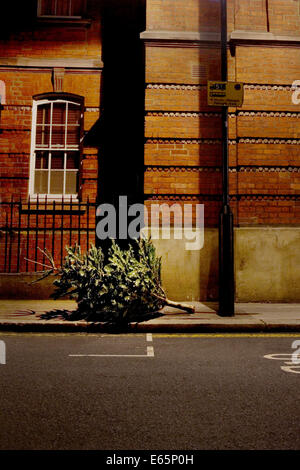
[[225, 93]]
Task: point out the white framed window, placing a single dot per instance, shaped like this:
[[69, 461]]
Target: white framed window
[[55, 145], [61, 8]]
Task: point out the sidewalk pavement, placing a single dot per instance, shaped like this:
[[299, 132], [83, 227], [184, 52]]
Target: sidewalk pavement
[[52, 315]]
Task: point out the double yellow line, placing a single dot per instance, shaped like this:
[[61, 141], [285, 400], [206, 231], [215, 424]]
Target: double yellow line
[[226, 335]]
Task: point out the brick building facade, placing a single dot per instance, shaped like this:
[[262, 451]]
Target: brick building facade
[[50, 65], [81, 82], [183, 140]]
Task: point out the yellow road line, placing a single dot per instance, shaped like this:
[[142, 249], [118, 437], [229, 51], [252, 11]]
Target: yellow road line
[[155, 335], [31, 333], [225, 335]]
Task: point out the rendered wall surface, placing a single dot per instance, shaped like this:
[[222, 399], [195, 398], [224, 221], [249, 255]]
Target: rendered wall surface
[[267, 264]]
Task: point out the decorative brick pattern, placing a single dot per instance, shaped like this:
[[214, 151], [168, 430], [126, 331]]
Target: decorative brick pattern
[[181, 130]]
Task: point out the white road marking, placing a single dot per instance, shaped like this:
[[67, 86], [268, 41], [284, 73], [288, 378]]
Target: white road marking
[[290, 366], [109, 355], [279, 357], [291, 369], [2, 352], [150, 352]]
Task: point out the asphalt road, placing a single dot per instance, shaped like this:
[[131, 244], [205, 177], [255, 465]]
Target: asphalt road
[[195, 392]]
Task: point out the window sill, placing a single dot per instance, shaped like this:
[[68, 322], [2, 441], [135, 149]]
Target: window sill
[[43, 198], [238, 37], [54, 206], [64, 21]]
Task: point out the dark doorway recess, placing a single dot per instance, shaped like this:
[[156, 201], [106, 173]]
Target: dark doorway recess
[[121, 157]]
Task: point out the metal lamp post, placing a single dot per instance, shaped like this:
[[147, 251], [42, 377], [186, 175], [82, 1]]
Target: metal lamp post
[[226, 233]]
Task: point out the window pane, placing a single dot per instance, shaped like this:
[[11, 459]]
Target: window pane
[[73, 114], [41, 160], [73, 135], [42, 136], [56, 182], [77, 7], [58, 136], [62, 8], [57, 160], [48, 7], [72, 160], [43, 114], [59, 113], [64, 126], [41, 181], [71, 182]]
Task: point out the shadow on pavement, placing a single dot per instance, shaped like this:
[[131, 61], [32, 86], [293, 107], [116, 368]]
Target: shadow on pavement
[[75, 315]]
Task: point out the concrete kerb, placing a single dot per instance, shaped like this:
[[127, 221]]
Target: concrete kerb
[[184, 327]]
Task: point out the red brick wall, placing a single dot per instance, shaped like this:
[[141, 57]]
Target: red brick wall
[[44, 41], [174, 65], [52, 40], [183, 147], [251, 15], [183, 15], [15, 136]]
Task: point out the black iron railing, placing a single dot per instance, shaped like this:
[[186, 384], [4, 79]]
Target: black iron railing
[[29, 228]]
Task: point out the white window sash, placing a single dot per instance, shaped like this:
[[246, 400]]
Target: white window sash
[[69, 16], [35, 148]]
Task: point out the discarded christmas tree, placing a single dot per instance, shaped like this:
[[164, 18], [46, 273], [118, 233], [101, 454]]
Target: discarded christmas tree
[[125, 285]]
